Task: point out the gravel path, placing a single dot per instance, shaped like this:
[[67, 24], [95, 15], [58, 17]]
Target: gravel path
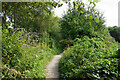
[[52, 68]]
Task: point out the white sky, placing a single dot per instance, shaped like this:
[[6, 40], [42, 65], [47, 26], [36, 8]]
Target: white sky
[[109, 8]]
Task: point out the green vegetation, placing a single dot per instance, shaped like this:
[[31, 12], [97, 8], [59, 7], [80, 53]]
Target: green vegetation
[[21, 60], [90, 52], [79, 22], [91, 46], [115, 32], [89, 58], [31, 44]]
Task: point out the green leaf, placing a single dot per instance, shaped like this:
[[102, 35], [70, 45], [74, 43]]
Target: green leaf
[[96, 1], [89, 0], [94, 4], [90, 17], [81, 11], [96, 19], [75, 7]]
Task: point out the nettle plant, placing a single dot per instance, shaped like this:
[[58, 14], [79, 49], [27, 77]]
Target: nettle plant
[[11, 51]]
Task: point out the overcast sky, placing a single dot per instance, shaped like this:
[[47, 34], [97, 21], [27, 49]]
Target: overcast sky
[[109, 8]]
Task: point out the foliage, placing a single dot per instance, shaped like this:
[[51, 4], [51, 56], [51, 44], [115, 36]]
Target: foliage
[[35, 17], [34, 61], [79, 22], [91, 46], [38, 14], [89, 58], [18, 11], [11, 47], [115, 32], [31, 43], [25, 54], [21, 60]]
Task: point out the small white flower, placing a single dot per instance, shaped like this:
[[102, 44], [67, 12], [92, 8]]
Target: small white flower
[[28, 71], [36, 56]]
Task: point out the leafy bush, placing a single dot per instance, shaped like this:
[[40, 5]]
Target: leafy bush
[[89, 58], [26, 55], [115, 32], [35, 60], [21, 60], [11, 52], [11, 47], [79, 21]]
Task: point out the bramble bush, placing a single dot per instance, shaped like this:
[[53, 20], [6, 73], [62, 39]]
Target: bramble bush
[[20, 60], [89, 58], [91, 51], [11, 52], [115, 32], [26, 54]]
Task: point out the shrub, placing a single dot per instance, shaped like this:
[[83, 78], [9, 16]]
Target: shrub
[[11, 52], [115, 32], [20, 60], [89, 58]]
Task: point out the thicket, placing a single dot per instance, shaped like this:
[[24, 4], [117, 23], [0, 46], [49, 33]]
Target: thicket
[[89, 58], [37, 35], [31, 43], [21, 60], [115, 32], [35, 17], [91, 46], [79, 22]]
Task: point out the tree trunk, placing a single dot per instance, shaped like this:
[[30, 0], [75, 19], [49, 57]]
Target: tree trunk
[[14, 19], [15, 7]]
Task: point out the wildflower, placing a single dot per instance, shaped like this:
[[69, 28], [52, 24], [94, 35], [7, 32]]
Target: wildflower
[[36, 56], [28, 71]]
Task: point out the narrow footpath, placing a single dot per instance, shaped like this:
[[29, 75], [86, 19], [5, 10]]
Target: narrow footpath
[[52, 68]]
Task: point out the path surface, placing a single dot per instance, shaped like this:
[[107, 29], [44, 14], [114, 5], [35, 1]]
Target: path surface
[[52, 68]]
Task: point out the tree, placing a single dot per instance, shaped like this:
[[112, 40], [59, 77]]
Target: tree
[[115, 32], [78, 22], [19, 11]]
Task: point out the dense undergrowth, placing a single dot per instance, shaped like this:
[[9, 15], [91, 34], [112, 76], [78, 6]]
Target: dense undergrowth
[[30, 38], [91, 51], [21, 60], [89, 58], [115, 32], [37, 35]]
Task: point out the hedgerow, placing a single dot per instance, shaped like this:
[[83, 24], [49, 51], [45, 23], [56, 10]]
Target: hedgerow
[[22, 60], [89, 58], [91, 48]]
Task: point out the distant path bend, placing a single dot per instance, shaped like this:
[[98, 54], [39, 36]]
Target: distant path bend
[[52, 68]]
